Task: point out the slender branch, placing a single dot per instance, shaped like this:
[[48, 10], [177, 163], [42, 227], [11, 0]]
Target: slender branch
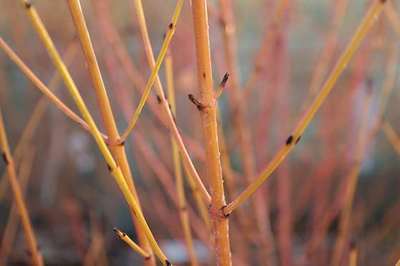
[[11, 228], [94, 70], [18, 196], [187, 162], [364, 27], [41, 87], [37, 114], [182, 204], [219, 222], [156, 68]]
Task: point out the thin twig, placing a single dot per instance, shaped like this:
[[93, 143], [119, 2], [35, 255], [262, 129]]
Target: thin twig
[[40, 85], [135, 247], [179, 184], [156, 68]]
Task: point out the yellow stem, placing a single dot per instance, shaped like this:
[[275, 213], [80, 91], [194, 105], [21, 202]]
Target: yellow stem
[[182, 204], [135, 247], [11, 228], [156, 68], [18, 196], [118, 151]]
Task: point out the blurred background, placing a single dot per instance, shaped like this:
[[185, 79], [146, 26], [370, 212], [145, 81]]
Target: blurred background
[[285, 50]]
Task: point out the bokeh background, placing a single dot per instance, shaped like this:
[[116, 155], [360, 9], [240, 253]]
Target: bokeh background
[[290, 47]]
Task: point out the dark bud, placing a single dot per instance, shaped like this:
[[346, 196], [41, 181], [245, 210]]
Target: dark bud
[[198, 104], [159, 99], [224, 79], [289, 140], [225, 215]]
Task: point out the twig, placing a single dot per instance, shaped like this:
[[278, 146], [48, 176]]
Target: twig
[[40, 85], [154, 73], [135, 247], [179, 184]]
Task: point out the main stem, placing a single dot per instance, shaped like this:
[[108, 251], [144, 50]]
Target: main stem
[[220, 223], [118, 151]]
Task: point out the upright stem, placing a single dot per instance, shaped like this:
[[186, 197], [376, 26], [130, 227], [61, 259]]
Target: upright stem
[[220, 223], [179, 184], [118, 151], [18, 196], [11, 229]]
